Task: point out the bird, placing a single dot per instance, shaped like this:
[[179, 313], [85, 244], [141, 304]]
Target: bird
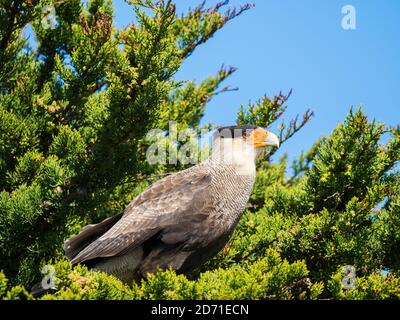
[[182, 220]]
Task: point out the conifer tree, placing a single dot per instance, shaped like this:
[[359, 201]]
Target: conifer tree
[[74, 114]]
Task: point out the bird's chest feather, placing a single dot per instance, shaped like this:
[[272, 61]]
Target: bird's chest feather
[[231, 192], [234, 184], [223, 204]]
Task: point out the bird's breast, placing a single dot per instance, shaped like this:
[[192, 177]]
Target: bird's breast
[[231, 190]]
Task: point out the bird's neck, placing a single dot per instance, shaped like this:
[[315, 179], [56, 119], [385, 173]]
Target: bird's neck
[[236, 153]]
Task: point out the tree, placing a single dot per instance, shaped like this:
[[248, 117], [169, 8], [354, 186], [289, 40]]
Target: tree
[[74, 114]]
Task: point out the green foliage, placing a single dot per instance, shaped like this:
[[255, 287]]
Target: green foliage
[[3, 284], [350, 163], [267, 111], [75, 111], [268, 278], [80, 283], [74, 114], [372, 287], [328, 222]]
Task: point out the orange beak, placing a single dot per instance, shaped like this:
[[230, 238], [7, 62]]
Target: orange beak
[[262, 138]]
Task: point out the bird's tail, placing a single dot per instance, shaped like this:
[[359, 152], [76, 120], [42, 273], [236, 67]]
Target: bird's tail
[[87, 235]]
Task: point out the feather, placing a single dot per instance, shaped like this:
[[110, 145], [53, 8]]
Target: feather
[[168, 202], [87, 235]]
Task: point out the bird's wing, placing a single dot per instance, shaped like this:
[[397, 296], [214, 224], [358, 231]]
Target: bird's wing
[[87, 235], [164, 205]]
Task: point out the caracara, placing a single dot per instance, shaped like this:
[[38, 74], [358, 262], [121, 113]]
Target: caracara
[[181, 221]]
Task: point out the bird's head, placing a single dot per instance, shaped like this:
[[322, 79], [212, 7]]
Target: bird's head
[[242, 143]]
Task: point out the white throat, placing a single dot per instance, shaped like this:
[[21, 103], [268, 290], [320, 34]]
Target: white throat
[[235, 152]]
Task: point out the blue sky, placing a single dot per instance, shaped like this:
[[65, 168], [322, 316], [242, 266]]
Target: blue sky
[[300, 44]]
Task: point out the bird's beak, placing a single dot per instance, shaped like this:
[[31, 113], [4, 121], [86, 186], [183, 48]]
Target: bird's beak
[[262, 138], [271, 140]]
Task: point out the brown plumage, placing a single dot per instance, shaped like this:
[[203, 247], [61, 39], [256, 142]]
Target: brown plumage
[[182, 220]]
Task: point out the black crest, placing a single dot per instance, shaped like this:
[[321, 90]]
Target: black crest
[[233, 131]]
